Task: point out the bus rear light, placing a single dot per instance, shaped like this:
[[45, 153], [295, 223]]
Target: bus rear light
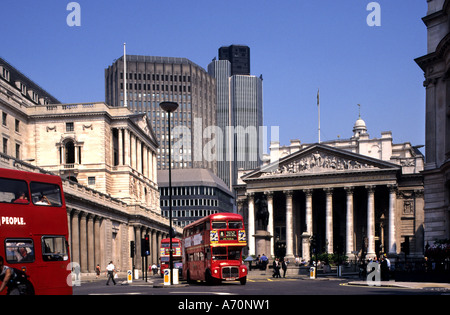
[[24, 269]]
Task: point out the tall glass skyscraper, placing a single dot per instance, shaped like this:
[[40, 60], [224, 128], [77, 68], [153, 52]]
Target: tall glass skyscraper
[[240, 117]]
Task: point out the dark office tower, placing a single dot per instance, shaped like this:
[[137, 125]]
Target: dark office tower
[[238, 56], [151, 80], [240, 116]]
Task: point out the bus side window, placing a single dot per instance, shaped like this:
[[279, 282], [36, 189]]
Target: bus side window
[[13, 191], [19, 250], [44, 194]]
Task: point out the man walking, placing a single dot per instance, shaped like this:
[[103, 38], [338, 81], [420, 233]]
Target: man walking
[[110, 269]]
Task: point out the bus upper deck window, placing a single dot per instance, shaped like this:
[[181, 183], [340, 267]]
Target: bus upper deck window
[[13, 191], [44, 194], [235, 224], [219, 225]]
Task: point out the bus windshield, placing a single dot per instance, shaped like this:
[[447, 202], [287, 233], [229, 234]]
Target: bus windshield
[[226, 253]]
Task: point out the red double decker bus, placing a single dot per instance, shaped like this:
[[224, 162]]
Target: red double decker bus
[[34, 231], [213, 249], [164, 254]]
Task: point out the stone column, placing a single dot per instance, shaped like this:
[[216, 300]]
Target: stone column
[[90, 245], [155, 248], [349, 228], [97, 251], [75, 237], [133, 151], [251, 224], [370, 221], [120, 149], [83, 243], [306, 236], [289, 225], [270, 226], [329, 219], [308, 210], [127, 147], [137, 242], [392, 200]]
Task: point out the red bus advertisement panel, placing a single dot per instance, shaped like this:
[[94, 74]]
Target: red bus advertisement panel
[[34, 232], [213, 249]]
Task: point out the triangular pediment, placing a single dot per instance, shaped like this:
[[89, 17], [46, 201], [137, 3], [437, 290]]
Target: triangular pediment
[[143, 122], [319, 159]]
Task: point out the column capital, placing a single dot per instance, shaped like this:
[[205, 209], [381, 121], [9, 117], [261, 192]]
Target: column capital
[[370, 188], [308, 192], [349, 189], [268, 193], [392, 188], [250, 195], [288, 193], [328, 191]]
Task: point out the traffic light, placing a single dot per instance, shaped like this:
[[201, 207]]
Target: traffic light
[[145, 245]]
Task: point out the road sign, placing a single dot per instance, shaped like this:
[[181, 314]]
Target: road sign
[[129, 276]]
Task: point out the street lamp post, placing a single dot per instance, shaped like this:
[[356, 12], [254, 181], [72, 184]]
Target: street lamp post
[[170, 107]]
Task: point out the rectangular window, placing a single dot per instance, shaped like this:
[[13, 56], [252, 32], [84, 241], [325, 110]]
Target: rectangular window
[[91, 180], [13, 191], [69, 127], [17, 151], [5, 146], [19, 250], [44, 194], [54, 248]]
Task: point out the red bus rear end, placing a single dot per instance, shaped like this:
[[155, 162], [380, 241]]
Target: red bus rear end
[[213, 249], [164, 254], [34, 230]]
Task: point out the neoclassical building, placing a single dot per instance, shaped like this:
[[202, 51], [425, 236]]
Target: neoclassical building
[[106, 157], [352, 195]]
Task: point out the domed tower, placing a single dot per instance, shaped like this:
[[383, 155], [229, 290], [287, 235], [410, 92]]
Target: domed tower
[[360, 127]]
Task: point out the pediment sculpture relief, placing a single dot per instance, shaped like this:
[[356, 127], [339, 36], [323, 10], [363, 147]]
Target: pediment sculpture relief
[[318, 162]]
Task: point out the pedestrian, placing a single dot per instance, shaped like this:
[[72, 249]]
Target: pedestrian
[[276, 268], [110, 270], [264, 260], [97, 271], [284, 267], [155, 269], [384, 266]]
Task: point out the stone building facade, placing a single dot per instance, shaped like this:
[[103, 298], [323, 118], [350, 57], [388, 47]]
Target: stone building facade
[[436, 67], [353, 195], [107, 159]]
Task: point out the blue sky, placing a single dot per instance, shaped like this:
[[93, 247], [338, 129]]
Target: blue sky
[[298, 46]]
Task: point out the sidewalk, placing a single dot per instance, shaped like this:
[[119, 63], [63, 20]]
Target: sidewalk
[[352, 279]]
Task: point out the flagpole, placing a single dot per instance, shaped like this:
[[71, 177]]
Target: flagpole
[[125, 101], [318, 108]]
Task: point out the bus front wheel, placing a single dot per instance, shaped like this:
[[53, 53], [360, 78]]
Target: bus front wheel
[[243, 280]]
